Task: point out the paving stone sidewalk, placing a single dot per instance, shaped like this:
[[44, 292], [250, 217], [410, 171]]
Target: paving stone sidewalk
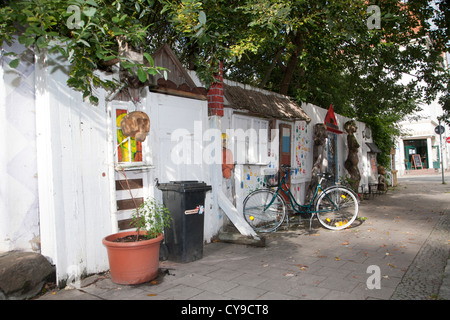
[[404, 235], [426, 274]]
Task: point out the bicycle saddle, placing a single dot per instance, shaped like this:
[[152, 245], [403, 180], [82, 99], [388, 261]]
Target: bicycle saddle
[[326, 175]]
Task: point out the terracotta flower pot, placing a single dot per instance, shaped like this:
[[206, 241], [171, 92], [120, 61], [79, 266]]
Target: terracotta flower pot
[[132, 262]]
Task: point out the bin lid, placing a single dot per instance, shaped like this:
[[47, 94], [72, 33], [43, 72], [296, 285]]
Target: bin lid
[[184, 186]]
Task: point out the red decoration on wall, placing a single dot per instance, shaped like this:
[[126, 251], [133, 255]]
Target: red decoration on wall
[[330, 121]]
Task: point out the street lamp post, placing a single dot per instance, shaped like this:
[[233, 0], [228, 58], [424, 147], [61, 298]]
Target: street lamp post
[[442, 158], [440, 130]]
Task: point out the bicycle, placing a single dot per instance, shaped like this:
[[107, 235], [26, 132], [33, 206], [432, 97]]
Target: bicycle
[[335, 207]]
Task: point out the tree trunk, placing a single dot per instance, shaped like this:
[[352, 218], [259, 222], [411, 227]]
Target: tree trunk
[[271, 67], [292, 64]]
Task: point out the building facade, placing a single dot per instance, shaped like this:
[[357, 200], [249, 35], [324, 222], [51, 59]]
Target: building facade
[[421, 147]]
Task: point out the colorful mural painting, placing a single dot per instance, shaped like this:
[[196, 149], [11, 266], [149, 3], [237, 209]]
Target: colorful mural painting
[[272, 158], [253, 175], [252, 178], [124, 154], [303, 147]]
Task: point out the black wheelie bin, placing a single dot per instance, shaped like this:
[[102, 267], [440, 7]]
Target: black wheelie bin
[[185, 201]]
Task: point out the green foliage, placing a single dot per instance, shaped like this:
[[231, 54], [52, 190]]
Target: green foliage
[[324, 53], [347, 181], [87, 33], [152, 217], [317, 51]]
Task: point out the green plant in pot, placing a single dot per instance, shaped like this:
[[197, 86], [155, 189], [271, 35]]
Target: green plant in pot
[[134, 255]]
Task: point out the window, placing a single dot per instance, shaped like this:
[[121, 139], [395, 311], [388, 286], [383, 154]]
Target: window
[[249, 138], [128, 149]]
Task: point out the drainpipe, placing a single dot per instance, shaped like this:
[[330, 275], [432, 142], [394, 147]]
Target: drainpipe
[[442, 154]]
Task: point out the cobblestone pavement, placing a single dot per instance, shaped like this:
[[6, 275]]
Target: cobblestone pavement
[[402, 240], [425, 275]]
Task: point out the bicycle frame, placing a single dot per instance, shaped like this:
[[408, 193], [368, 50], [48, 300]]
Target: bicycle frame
[[295, 205], [330, 195]]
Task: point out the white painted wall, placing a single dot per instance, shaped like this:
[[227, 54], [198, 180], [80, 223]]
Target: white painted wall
[[177, 128], [74, 177], [68, 146], [19, 215], [180, 148], [54, 191]]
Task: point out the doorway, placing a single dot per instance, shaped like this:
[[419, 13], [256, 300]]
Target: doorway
[[416, 147], [285, 148]]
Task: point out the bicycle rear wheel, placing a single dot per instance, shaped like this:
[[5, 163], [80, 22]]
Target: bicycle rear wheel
[[264, 210], [337, 208]]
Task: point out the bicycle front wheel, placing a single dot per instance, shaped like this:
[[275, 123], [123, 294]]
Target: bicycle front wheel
[[337, 208], [264, 210]]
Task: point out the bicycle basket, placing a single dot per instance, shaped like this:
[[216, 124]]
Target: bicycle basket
[[271, 178]]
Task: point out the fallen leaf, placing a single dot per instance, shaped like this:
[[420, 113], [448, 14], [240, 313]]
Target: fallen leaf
[[151, 295], [154, 282], [345, 243], [391, 265], [336, 258]]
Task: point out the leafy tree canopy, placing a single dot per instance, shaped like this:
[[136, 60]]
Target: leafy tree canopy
[[376, 61]]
